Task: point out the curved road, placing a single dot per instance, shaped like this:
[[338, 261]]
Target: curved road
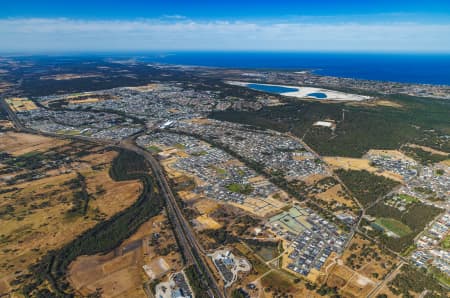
[[188, 243]]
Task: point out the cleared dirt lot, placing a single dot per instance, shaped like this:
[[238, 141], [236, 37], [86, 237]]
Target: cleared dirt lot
[[120, 273], [360, 269], [204, 222], [336, 194], [349, 163]]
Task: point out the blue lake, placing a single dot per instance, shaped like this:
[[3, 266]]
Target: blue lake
[[271, 88], [318, 95]]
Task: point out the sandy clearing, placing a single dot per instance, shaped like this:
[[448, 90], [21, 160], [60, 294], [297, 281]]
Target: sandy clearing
[[335, 193], [205, 222], [349, 163]]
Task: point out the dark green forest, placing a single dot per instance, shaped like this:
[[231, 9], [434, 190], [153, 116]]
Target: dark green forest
[[413, 280], [365, 186], [416, 217], [418, 120]]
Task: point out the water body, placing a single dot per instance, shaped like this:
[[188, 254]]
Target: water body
[[318, 95], [272, 88], [405, 68]]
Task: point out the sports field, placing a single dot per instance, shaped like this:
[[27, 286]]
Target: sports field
[[394, 226]]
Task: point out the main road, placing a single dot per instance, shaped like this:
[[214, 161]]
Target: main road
[[191, 249]]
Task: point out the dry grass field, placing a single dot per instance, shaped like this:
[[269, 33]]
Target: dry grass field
[[204, 222], [347, 163], [37, 203], [370, 261], [20, 143], [69, 76], [110, 196], [278, 283], [19, 104], [360, 269], [349, 282], [359, 164], [84, 100], [145, 88], [336, 195], [374, 103], [122, 272]]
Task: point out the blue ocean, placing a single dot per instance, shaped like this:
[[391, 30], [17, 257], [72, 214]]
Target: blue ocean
[[405, 68]]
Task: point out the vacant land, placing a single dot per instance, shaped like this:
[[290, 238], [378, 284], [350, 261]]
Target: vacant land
[[68, 76], [120, 273], [330, 194], [377, 102], [204, 222], [368, 259], [361, 164], [277, 283], [348, 282], [267, 250], [347, 163], [50, 194], [362, 265], [234, 224], [109, 196], [337, 196], [50, 273], [20, 143], [20, 104]]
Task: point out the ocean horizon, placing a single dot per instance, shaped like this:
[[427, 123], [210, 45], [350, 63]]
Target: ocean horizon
[[402, 68]]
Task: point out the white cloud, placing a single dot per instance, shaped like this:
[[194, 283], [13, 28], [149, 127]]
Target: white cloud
[[60, 34]]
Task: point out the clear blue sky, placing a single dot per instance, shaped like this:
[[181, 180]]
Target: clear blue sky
[[364, 25], [230, 9]]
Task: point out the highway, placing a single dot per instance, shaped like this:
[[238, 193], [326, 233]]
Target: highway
[[191, 249]]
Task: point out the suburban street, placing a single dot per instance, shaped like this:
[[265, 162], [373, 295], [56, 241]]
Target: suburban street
[[189, 245]]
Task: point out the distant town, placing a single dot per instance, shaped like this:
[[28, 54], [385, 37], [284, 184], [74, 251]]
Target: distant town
[[262, 191]]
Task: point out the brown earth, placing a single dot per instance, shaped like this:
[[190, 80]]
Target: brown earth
[[120, 273], [34, 214]]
